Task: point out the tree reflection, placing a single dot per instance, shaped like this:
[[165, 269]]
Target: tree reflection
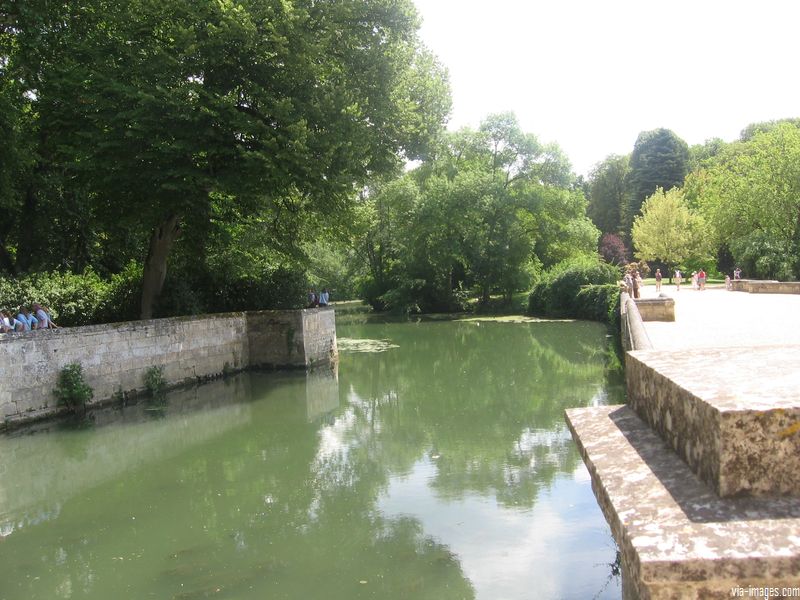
[[484, 400]]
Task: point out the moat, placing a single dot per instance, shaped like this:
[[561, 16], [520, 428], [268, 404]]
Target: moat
[[435, 464]]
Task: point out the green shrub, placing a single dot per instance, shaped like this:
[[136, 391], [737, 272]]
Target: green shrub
[[597, 303], [72, 298], [155, 384], [86, 299], [556, 293], [72, 390], [121, 301]]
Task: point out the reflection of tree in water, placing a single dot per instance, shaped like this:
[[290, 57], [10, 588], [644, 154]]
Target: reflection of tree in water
[[484, 401], [269, 509], [311, 523]]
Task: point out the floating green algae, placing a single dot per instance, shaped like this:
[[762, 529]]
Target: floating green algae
[[364, 345]]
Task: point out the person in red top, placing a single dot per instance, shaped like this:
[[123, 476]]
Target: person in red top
[[701, 279]]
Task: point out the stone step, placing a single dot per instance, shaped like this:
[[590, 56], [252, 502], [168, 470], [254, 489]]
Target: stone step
[[733, 414], [677, 537]]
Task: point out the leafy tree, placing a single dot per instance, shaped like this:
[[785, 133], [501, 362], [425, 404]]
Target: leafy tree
[[750, 195], [613, 249], [700, 155], [659, 159], [607, 193], [668, 231], [165, 115], [749, 132]]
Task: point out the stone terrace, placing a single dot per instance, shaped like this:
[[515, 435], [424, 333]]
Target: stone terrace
[[698, 476]]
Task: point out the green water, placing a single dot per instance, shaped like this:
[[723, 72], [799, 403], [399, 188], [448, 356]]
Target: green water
[[438, 468]]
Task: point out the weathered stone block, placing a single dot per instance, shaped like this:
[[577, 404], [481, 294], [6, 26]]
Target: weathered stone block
[[656, 309], [733, 414]]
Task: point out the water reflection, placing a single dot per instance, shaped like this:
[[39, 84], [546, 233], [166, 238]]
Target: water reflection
[[437, 469], [485, 401]]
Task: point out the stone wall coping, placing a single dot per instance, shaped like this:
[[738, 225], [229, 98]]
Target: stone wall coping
[[142, 324], [637, 338], [760, 378], [662, 299]]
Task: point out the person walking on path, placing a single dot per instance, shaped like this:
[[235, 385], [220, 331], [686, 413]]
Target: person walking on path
[[658, 280], [701, 279], [678, 279]]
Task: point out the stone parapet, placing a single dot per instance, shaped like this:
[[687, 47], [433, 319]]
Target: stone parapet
[[737, 427], [761, 286], [634, 335], [115, 357], [661, 308], [678, 539]]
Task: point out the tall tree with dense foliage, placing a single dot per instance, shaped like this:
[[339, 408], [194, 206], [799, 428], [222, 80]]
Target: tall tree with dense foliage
[[659, 159], [751, 197], [668, 231], [162, 117], [488, 209], [607, 193]]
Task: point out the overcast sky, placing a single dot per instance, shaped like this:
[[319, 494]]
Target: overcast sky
[[592, 74]]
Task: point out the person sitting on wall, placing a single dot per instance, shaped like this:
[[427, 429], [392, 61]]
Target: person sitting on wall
[[8, 324], [323, 297], [29, 322], [312, 299], [45, 320]]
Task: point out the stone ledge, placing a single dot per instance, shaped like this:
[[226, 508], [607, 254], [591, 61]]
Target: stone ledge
[[634, 335], [678, 539], [661, 308], [733, 414], [764, 286]]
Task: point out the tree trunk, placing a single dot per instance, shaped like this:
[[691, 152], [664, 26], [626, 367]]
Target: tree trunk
[[27, 241], [155, 266]]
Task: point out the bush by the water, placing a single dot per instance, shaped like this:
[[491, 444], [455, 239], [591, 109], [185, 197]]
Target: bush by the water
[[582, 288], [598, 303], [87, 298], [72, 390]]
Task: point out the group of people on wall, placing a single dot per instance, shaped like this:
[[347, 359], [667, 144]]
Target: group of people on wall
[[37, 317], [316, 300]]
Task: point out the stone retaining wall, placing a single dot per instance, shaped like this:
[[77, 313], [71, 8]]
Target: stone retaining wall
[[115, 357]]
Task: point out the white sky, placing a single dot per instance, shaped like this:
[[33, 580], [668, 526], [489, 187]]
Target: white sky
[[592, 74]]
